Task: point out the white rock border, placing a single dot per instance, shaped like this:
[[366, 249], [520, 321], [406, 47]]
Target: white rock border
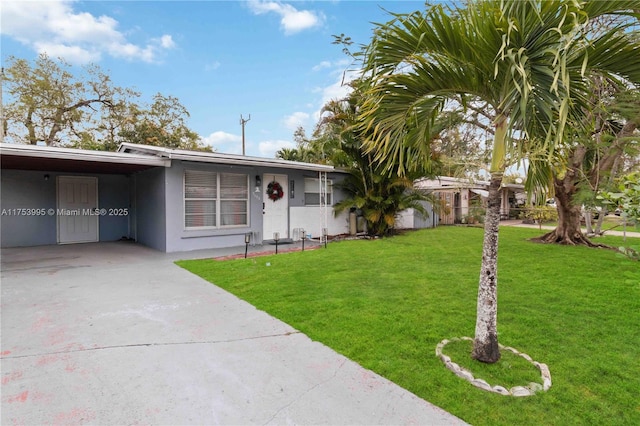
[[463, 373]]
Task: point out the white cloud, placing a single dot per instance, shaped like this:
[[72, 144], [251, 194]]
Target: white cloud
[[293, 121], [55, 28], [339, 89], [224, 142], [292, 20], [269, 148], [73, 54], [212, 66], [166, 42], [322, 65]]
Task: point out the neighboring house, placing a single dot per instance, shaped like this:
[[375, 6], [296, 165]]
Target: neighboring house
[[167, 199], [461, 198]]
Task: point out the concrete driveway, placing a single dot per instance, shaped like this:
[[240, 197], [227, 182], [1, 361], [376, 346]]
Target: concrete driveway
[[115, 333]]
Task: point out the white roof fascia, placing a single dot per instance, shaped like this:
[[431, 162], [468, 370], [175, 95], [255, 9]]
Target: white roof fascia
[[218, 158], [80, 155], [447, 182]]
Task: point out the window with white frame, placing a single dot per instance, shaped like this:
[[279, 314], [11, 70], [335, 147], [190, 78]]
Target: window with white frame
[[312, 192], [215, 200]]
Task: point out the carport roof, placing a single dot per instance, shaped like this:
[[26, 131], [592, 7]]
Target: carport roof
[[128, 159], [34, 157], [219, 158]]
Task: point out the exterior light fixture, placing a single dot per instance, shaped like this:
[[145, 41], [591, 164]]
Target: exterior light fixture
[[247, 240], [46, 177], [276, 238], [258, 183]]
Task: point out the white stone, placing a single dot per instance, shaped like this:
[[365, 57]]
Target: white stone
[[544, 371], [479, 383], [520, 391], [510, 349], [535, 387], [445, 358], [527, 357], [546, 384], [470, 339], [464, 374], [452, 366], [501, 390]]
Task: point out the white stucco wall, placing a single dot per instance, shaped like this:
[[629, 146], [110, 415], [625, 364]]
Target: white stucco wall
[[309, 219]]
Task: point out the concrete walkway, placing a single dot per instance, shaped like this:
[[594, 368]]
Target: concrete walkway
[[115, 333], [617, 232]]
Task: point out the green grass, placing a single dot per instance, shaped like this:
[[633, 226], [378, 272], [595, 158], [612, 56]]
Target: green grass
[[387, 303]]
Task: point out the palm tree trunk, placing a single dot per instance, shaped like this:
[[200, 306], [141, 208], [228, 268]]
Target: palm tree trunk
[[485, 344]]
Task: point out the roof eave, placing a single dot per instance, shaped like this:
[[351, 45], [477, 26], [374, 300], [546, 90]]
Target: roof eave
[[81, 155], [213, 157]]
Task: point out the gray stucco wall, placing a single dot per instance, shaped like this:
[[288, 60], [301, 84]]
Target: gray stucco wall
[[113, 195], [21, 189], [154, 205], [29, 190], [150, 201], [179, 239]]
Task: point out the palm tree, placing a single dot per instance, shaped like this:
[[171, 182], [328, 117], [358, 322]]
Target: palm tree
[[368, 187], [523, 62]]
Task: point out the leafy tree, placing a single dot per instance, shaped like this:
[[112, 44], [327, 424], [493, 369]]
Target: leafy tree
[[525, 62], [625, 196], [302, 151], [163, 124], [50, 105], [379, 195], [592, 157]]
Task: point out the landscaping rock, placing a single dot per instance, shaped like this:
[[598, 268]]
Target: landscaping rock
[[546, 376], [520, 391], [501, 390], [527, 357], [534, 387], [464, 374], [479, 383]]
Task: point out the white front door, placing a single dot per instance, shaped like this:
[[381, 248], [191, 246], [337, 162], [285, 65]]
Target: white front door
[[275, 213], [77, 209]]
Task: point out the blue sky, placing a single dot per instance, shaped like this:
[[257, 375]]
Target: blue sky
[[271, 59]]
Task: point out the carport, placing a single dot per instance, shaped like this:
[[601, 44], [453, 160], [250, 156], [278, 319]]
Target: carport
[[63, 195]]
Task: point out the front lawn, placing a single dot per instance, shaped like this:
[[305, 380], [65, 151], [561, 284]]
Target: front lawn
[[387, 303]]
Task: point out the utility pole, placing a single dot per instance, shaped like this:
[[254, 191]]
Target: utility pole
[[242, 123]]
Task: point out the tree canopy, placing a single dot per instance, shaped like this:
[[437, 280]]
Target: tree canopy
[[51, 103]]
